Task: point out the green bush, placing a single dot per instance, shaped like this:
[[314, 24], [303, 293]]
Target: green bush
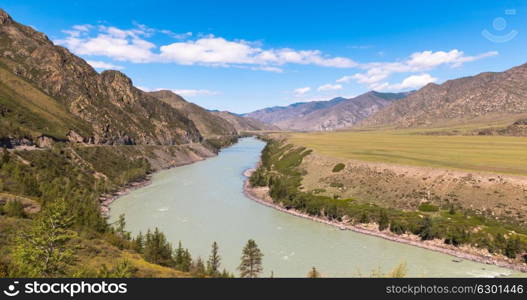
[[336, 185], [398, 227], [427, 207], [338, 167], [14, 209]]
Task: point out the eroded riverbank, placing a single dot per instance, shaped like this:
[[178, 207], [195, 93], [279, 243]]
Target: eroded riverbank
[[260, 195]]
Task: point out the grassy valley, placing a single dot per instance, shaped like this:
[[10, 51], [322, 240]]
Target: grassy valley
[[499, 154]]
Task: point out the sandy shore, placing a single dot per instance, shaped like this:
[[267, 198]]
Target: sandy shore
[[261, 196]]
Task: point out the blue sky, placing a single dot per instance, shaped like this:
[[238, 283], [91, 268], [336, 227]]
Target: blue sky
[[242, 55]]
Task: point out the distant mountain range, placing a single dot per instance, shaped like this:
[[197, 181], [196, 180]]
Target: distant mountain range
[[334, 114], [484, 98], [460, 101], [242, 123]]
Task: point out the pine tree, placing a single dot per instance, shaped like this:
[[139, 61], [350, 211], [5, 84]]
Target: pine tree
[[226, 274], [313, 273], [44, 250], [214, 262], [183, 259], [120, 226], [139, 245], [198, 268], [157, 250], [251, 261]]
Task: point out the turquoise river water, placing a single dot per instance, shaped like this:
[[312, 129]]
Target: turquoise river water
[[204, 202]]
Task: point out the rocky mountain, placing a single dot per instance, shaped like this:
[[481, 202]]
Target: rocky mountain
[[343, 114], [327, 115], [208, 124], [464, 100], [46, 92], [244, 123], [276, 114]]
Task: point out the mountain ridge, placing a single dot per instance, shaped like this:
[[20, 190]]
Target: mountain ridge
[[337, 113], [462, 100], [108, 108]]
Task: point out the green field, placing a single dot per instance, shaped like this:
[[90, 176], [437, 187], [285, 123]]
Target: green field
[[500, 154]]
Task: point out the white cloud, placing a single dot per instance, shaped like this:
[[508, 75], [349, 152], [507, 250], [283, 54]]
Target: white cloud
[[177, 36], [218, 51], [345, 79], [104, 65], [211, 51], [417, 81], [182, 92], [131, 45], [112, 42], [143, 88], [268, 69], [301, 91], [417, 62], [411, 82], [329, 87], [84, 27], [192, 93]]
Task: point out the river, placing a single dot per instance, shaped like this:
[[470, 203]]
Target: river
[[204, 202]]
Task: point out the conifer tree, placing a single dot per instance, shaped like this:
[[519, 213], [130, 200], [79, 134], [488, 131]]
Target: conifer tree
[[138, 244], [251, 261], [198, 268], [157, 250], [120, 228], [182, 258], [214, 262], [44, 250]]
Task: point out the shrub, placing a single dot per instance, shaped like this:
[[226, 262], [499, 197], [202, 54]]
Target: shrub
[[336, 185], [428, 230], [513, 247], [457, 237], [398, 227], [384, 220], [338, 167], [319, 191], [427, 207], [14, 209]]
